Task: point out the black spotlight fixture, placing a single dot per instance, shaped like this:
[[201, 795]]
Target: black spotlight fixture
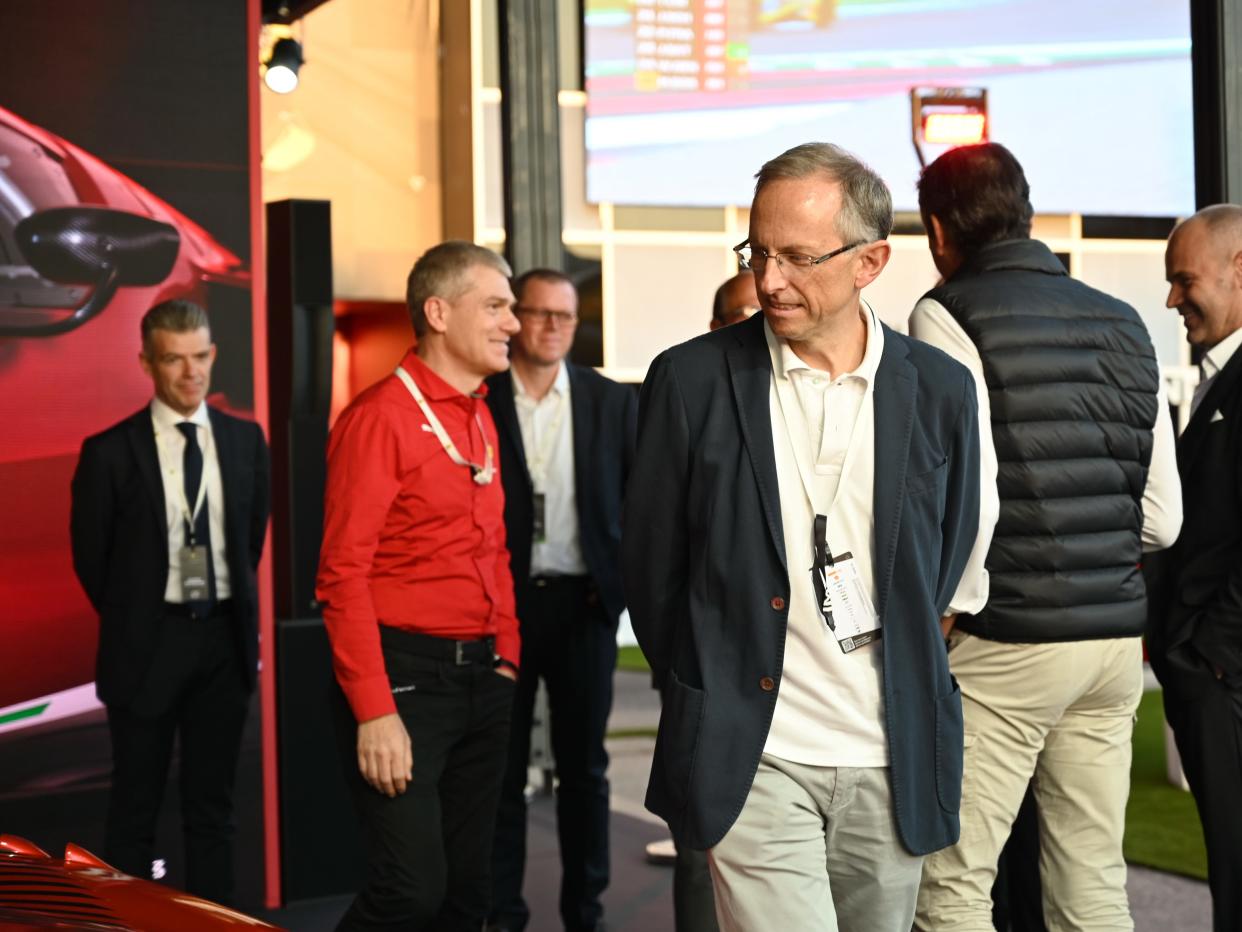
[[281, 74]]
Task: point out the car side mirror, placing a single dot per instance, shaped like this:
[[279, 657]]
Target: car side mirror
[[97, 246]]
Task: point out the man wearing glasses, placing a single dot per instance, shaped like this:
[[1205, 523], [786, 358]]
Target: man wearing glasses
[[806, 507], [566, 443]]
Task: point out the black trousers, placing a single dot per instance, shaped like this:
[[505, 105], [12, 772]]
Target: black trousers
[[1206, 716], [1017, 898], [694, 900], [429, 849], [569, 642], [194, 692]]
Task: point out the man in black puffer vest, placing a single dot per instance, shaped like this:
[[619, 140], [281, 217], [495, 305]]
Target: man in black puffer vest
[[1083, 453]]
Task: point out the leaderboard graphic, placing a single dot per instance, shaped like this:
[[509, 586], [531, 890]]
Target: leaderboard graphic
[[686, 98]]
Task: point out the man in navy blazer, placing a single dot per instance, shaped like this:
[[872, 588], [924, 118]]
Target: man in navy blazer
[[804, 503], [168, 518], [566, 445], [1194, 594]]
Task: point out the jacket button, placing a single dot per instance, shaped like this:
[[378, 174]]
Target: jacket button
[[777, 603], [767, 684]]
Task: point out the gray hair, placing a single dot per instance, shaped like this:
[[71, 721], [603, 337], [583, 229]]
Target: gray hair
[[174, 317], [441, 272], [866, 213]]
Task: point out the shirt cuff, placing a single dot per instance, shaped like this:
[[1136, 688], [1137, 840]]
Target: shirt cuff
[[370, 698], [509, 647]]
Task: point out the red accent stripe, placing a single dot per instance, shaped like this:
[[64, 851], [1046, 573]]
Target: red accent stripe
[[267, 627]]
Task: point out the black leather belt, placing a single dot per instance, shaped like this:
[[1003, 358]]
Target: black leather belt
[[479, 650], [548, 582], [195, 613]]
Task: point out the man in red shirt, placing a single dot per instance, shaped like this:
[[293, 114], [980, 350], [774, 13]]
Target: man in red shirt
[[418, 601]]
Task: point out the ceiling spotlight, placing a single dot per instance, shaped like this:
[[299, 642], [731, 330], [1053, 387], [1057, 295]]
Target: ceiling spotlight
[[281, 74]]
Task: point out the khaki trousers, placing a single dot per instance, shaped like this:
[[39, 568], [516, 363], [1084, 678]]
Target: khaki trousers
[[1062, 714], [815, 848]]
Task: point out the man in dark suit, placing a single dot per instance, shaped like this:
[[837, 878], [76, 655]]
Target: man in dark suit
[[566, 442], [1194, 631], [168, 518], [804, 501]]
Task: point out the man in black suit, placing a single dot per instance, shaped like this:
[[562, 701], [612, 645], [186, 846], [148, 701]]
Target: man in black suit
[[566, 442], [168, 517], [1194, 630], [804, 502]]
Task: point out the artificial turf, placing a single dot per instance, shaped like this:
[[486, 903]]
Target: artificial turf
[[1162, 822]]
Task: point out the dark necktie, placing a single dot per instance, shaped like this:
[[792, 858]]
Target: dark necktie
[[192, 469]]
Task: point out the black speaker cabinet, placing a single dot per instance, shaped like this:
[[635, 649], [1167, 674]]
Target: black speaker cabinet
[[299, 345], [320, 851]]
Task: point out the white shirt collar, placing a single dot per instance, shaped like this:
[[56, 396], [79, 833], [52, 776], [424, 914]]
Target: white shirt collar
[[560, 386], [787, 361], [166, 417], [1219, 355]]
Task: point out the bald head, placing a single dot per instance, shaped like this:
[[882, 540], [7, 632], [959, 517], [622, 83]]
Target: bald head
[[1221, 225], [1203, 265], [735, 300]]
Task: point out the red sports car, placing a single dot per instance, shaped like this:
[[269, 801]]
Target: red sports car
[[84, 252], [39, 892]]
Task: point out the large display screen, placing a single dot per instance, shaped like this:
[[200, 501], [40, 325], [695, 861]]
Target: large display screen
[[687, 98]]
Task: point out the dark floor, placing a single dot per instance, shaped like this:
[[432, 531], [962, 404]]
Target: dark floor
[[51, 805], [639, 898]]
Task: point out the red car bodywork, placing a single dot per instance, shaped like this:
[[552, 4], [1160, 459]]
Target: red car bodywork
[[82, 892], [56, 390]]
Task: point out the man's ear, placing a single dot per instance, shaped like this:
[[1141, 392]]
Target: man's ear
[[436, 311], [872, 259], [935, 235], [1236, 268]]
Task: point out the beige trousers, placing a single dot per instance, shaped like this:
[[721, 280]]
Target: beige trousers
[[815, 850], [1062, 714]]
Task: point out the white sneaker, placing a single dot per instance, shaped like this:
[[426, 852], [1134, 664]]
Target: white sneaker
[[663, 851]]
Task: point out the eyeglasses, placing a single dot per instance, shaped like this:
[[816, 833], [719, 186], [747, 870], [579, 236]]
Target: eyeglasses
[[751, 258], [544, 316]]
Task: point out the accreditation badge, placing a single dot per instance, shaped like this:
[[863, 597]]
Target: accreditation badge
[[843, 600], [539, 524], [194, 582]]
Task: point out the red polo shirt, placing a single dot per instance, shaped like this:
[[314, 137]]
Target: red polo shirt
[[409, 539]]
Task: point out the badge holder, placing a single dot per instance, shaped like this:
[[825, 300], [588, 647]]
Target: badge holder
[[843, 601]]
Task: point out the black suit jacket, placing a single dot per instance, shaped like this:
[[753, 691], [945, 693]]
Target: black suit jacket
[[708, 583], [119, 531], [604, 415], [1194, 588]]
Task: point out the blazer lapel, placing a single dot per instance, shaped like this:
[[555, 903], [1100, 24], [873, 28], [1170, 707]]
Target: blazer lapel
[[750, 371], [226, 456], [505, 412], [896, 382], [1191, 441], [142, 442], [584, 434]]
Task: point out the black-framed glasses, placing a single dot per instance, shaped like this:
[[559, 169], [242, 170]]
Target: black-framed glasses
[[544, 316], [751, 258]]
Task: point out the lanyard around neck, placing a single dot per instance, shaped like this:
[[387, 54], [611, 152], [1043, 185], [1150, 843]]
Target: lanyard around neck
[[538, 465], [482, 475]]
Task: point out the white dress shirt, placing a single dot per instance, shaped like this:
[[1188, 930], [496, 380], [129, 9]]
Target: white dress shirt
[[548, 440], [170, 446], [830, 708], [932, 323], [1213, 361]]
